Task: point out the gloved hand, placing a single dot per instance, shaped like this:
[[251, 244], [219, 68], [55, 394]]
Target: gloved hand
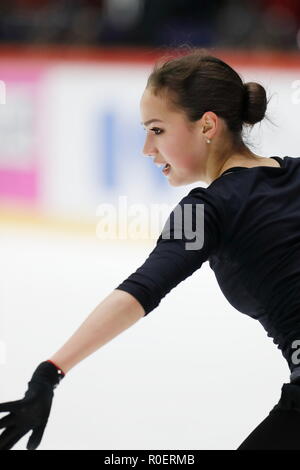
[[33, 410]]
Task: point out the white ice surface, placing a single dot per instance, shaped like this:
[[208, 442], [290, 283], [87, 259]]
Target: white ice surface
[[193, 374]]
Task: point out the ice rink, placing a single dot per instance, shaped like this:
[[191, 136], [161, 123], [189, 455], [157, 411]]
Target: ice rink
[[193, 374]]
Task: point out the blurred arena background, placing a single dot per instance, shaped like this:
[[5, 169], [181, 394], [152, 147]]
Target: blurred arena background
[[71, 76], [74, 71]]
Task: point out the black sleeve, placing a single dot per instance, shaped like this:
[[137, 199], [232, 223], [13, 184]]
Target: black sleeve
[[185, 242]]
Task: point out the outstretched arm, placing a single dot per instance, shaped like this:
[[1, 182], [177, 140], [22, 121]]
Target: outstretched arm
[[117, 312], [169, 263]]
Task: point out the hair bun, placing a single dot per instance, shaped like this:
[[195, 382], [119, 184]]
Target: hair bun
[[254, 104]]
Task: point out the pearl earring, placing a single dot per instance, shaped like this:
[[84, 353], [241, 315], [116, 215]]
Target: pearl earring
[[208, 141]]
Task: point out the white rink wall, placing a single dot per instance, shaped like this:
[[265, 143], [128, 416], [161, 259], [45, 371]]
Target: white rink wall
[[75, 129]]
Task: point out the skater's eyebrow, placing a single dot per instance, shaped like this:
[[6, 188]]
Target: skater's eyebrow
[[146, 123]]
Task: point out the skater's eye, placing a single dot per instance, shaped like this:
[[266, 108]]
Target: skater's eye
[[156, 130]]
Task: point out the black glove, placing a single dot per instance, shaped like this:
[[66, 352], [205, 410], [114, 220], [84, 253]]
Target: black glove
[[33, 410]]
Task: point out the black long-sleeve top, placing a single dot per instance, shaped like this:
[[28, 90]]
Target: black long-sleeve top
[[251, 238]]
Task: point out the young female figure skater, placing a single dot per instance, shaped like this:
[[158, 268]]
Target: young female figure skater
[[194, 108]]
